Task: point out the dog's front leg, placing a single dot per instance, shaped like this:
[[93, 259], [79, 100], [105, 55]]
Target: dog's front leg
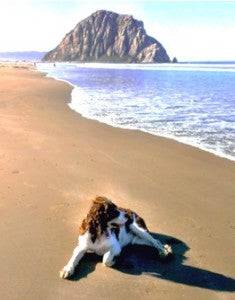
[[109, 256], [68, 270], [145, 236]]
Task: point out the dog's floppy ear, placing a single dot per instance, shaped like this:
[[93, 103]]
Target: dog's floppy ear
[[101, 200]]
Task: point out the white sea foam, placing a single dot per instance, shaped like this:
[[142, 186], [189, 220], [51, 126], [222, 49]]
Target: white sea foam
[[193, 109], [86, 105]]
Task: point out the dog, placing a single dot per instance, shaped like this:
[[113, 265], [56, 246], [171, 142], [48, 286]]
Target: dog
[[106, 230]]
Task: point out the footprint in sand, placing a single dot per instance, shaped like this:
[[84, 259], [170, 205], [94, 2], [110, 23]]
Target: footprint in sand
[[15, 171], [58, 207]]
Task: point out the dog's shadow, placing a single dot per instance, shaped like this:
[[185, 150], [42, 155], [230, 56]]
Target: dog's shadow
[[137, 260]]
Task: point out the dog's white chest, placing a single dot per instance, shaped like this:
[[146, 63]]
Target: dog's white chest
[[124, 237], [104, 244]]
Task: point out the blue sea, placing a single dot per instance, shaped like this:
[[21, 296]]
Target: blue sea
[[193, 103]]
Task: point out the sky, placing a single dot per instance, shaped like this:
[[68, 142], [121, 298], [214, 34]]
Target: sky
[[190, 30]]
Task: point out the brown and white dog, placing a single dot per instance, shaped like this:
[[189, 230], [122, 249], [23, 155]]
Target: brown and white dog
[[106, 230]]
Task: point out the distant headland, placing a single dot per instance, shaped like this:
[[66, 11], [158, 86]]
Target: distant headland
[[106, 36]]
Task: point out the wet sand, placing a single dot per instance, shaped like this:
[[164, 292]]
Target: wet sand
[[53, 161]]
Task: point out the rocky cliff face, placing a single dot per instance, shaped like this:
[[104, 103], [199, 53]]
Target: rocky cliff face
[[109, 37]]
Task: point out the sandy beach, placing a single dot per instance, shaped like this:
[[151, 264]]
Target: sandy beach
[[53, 162]]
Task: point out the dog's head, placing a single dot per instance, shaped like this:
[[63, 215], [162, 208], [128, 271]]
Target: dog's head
[[107, 213], [103, 215]]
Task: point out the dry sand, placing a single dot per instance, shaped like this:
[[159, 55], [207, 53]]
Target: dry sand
[[53, 161]]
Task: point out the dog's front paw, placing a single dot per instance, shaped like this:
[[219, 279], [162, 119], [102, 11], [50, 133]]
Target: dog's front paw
[[109, 263], [165, 252], [66, 272]]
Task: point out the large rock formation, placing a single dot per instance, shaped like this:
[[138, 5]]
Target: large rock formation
[[109, 37]]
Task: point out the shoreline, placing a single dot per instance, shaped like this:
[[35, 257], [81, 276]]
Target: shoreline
[[53, 161], [179, 140]]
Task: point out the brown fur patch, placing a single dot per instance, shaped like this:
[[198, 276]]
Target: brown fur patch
[[102, 210]]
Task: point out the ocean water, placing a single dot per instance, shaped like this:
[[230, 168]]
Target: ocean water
[[191, 103]]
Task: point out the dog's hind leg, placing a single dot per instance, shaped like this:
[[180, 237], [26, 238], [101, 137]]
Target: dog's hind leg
[[68, 270]]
